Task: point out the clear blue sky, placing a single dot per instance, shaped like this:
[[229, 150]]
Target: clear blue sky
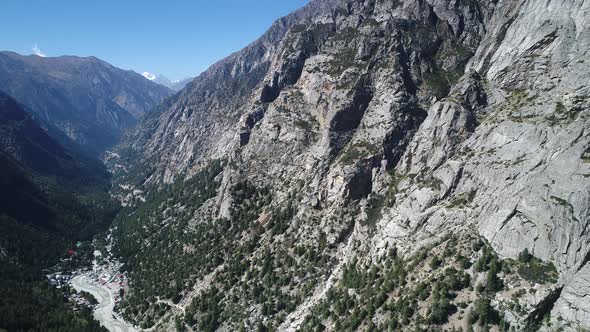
[[176, 38]]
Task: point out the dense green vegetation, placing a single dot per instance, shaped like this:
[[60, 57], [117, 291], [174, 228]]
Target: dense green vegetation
[[163, 257], [30, 304], [51, 198], [39, 221], [535, 270]]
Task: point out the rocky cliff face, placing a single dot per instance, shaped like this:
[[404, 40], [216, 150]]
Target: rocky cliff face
[[87, 99], [421, 125]]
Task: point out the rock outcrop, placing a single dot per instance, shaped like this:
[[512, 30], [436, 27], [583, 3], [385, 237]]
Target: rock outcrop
[[389, 124]]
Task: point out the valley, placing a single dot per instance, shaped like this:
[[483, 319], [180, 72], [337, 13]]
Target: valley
[[107, 283], [364, 165], [103, 312]]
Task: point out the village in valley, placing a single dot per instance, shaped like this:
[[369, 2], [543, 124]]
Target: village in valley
[[104, 271]]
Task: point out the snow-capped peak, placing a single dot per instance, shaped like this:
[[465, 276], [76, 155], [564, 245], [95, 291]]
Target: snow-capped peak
[[149, 76], [175, 85]]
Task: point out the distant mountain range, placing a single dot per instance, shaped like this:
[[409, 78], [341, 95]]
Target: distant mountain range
[[87, 99], [175, 85]]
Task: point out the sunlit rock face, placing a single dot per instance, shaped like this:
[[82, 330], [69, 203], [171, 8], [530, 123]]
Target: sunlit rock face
[[393, 124]]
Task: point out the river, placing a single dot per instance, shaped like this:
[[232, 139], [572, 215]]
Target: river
[[106, 303]]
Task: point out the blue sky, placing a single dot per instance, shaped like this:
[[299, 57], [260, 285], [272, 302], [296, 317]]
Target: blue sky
[[177, 38]]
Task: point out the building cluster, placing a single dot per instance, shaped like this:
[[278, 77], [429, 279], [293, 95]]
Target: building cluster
[[59, 279]]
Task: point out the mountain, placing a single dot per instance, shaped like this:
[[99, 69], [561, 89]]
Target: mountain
[[50, 199], [370, 165], [42, 181], [175, 85], [87, 99], [22, 138]]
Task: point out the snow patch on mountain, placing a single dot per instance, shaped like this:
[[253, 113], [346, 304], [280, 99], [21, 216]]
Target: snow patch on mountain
[[149, 76]]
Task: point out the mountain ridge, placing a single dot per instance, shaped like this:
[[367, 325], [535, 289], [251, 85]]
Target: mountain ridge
[[89, 100]]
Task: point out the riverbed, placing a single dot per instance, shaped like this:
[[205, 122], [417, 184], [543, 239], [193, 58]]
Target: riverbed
[[106, 303]]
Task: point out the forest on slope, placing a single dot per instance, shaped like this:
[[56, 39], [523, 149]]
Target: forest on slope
[[51, 198]]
